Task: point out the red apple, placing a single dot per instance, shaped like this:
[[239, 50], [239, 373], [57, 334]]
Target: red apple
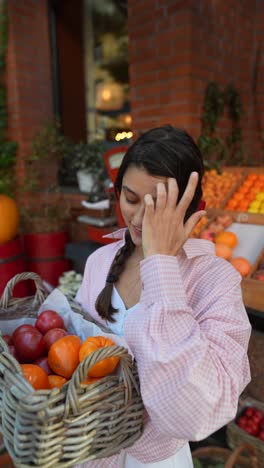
[[259, 275], [22, 329], [216, 227], [8, 339], [53, 335], [47, 320], [12, 350], [43, 362], [29, 345], [208, 235]]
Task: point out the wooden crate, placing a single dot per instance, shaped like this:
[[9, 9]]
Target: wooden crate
[[232, 169], [253, 289], [239, 216]]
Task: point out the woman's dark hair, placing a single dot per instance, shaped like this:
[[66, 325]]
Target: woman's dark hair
[[165, 152]]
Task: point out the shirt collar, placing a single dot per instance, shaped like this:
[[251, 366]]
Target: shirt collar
[[192, 247]]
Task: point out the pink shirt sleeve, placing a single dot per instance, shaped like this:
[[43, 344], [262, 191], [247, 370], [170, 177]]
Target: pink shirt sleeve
[[191, 354]]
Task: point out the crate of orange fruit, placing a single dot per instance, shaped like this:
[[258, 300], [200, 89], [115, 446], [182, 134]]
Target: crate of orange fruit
[[63, 400], [248, 197], [218, 186], [249, 262]]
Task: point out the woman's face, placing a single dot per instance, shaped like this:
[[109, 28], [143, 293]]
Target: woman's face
[[136, 184]]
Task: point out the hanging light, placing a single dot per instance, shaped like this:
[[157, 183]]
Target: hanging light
[[109, 96]]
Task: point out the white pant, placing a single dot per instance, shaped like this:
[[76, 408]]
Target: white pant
[[181, 459]]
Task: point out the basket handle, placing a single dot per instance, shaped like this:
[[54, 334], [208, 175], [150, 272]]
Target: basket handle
[[8, 291], [234, 457], [75, 388]]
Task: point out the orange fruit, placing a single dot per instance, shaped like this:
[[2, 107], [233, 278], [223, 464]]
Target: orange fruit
[[63, 357], [222, 250], [238, 196], [242, 265], [243, 206], [226, 237], [36, 376], [101, 368], [56, 381], [231, 204]]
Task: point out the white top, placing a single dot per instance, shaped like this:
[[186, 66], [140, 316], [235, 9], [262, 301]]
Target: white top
[[181, 459]]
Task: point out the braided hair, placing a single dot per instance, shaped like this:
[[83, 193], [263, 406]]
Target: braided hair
[[103, 303], [163, 151]]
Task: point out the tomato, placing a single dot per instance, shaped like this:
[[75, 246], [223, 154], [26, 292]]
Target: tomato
[[8, 339], [258, 414], [256, 418], [249, 412], [53, 335], [36, 376], [101, 368], [252, 428], [242, 422], [29, 345], [43, 363], [261, 425], [56, 381], [22, 329], [47, 320], [63, 357], [261, 435]]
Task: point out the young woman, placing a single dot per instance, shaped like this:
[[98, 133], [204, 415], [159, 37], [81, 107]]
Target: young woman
[[177, 304]]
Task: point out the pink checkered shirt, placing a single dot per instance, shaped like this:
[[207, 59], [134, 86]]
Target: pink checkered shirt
[[189, 336]]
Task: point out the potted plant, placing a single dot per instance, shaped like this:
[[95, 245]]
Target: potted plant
[[45, 214], [84, 166]]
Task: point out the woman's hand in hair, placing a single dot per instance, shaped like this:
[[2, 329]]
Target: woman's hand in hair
[[164, 230]]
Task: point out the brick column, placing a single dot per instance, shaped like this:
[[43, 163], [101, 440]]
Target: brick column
[[29, 83]]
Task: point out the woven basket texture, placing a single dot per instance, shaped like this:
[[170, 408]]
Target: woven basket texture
[[237, 436], [69, 425], [244, 456]]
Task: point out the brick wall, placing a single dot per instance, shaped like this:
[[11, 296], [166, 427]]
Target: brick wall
[[29, 82], [177, 47]]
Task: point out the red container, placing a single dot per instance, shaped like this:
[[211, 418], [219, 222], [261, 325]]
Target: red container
[[45, 255], [96, 234], [12, 261]]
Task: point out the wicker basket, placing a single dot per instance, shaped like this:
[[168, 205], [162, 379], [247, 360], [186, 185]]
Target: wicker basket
[[69, 425], [230, 458], [237, 436]]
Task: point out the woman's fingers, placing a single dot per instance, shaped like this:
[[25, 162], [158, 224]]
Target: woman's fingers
[[188, 195], [149, 207], [161, 197], [173, 193], [192, 222]]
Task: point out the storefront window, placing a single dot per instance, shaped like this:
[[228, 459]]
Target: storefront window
[[108, 114]]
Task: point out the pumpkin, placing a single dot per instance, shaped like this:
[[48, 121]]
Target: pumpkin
[[90, 380], [9, 219], [63, 356], [242, 265], [56, 381], [36, 376], [101, 368]]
